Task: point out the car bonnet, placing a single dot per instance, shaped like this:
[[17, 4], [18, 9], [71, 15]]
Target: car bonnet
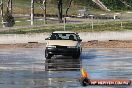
[[62, 42]]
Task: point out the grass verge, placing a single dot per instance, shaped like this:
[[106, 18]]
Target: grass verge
[[84, 27]]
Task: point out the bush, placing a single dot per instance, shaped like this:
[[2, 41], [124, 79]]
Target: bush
[[8, 19]]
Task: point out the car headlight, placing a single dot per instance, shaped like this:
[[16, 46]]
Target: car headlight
[[51, 46], [72, 47], [77, 46]]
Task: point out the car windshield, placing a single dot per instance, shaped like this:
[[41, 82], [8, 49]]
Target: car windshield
[[63, 36]]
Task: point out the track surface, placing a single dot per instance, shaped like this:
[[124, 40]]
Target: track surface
[[27, 68]]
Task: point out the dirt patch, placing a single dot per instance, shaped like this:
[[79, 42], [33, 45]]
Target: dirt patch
[[22, 45], [89, 44], [107, 44]]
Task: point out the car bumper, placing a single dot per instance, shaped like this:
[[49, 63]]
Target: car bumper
[[63, 51]]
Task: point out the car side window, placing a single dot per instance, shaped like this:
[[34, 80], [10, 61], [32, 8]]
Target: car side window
[[52, 37]]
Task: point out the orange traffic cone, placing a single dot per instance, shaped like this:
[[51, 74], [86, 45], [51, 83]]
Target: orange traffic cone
[[84, 80]]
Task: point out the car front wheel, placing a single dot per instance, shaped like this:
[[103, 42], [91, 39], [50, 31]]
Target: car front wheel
[[48, 56], [76, 56]]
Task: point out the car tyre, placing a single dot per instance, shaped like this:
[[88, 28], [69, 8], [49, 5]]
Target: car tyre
[[48, 56], [76, 56]]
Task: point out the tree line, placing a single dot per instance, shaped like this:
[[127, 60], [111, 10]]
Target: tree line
[[111, 4]]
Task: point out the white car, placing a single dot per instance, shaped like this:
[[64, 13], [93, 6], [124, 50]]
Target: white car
[[65, 43]]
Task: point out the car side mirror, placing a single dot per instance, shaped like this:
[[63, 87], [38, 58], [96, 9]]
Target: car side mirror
[[80, 40], [47, 38]]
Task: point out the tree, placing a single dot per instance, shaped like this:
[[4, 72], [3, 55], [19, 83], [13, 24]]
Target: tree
[[60, 10], [9, 6], [68, 7], [42, 5], [8, 19]]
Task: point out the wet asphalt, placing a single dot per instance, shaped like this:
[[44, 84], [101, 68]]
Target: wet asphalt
[[28, 68]]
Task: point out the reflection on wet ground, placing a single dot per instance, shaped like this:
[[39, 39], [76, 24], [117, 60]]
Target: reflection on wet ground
[[27, 68], [63, 64]]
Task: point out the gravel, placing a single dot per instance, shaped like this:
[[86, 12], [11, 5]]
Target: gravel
[[88, 44]]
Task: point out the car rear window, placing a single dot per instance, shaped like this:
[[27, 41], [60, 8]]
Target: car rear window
[[63, 36]]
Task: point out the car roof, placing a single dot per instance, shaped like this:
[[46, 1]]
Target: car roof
[[64, 32]]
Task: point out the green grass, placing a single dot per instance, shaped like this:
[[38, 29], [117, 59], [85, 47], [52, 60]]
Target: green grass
[[86, 27]]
